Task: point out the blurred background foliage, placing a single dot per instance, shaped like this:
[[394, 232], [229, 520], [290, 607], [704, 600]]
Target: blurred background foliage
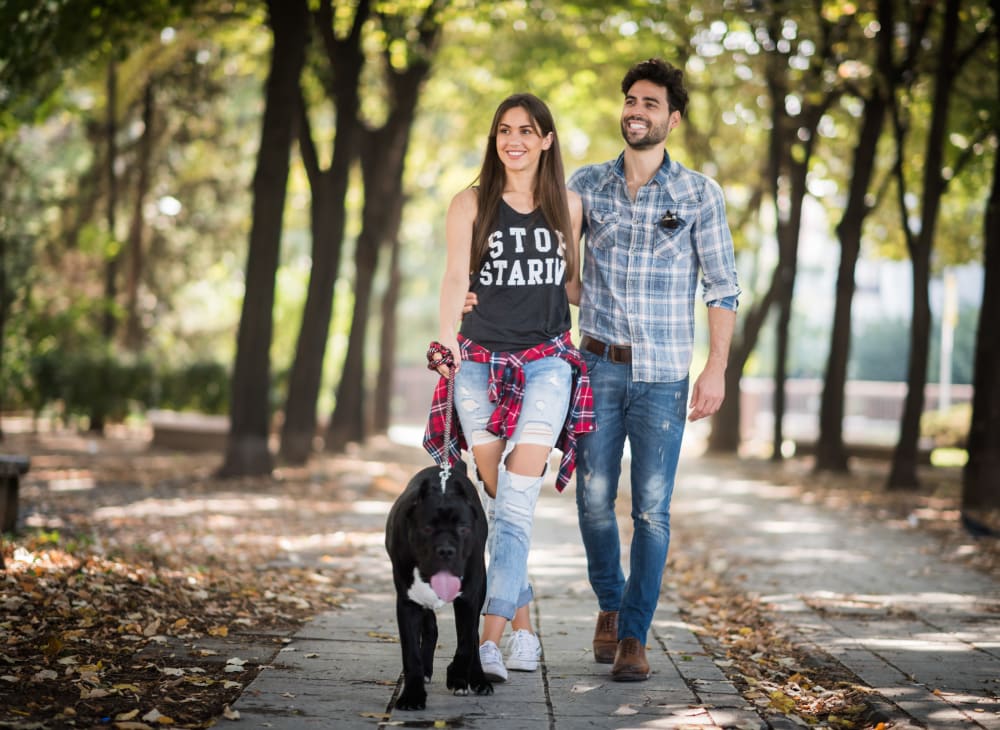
[[187, 114]]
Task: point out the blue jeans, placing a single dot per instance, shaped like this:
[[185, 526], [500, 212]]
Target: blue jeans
[[652, 416], [546, 399]]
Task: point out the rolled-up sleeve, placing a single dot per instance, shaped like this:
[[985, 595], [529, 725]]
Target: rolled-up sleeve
[[714, 245]]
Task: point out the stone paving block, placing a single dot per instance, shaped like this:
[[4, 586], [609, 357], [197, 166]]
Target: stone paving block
[[607, 696], [714, 687], [736, 718], [313, 703], [728, 700], [700, 668]]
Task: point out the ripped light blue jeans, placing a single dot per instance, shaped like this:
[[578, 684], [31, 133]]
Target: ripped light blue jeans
[[652, 416], [548, 383]]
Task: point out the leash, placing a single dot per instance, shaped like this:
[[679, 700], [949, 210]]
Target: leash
[[446, 359], [446, 466]]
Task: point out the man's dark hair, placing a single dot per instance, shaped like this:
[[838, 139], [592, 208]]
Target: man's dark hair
[[662, 74]]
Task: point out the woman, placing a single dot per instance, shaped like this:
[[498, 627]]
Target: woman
[[520, 385]]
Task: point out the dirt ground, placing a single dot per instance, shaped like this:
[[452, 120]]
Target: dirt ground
[[141, 591]]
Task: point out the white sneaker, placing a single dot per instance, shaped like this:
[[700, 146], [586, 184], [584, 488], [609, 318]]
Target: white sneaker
[[492, 661], [523, 651]]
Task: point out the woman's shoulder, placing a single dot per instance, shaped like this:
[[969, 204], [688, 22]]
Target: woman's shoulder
[[465, 202]]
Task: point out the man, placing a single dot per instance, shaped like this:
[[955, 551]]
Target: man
[[650, 225]]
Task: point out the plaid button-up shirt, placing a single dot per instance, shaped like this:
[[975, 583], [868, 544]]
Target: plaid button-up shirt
[[642, 258], [506, 389]]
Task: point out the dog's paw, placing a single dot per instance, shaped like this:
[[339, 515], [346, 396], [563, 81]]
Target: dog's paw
[[457, 679], [458, 684], [485, 688], [461, 692], [415, 700]]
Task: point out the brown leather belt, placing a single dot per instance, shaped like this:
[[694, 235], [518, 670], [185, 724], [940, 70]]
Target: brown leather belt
[[616, 353]]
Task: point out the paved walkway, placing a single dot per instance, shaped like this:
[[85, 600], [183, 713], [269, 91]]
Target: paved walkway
[[922, 632]]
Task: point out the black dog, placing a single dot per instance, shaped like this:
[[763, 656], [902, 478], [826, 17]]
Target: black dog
[[436, 542]]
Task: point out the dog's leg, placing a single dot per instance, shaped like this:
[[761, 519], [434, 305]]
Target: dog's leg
[[477, 679], [465, 671], [428, 643], [409, 617]]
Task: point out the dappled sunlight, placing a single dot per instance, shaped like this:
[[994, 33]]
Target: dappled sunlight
[[319, 542], [369, 507], [712, 505], [667, 626], [930, 645], [556, 562], [678, 715], [923, 599], [563, 511], [828, 555], [720, 484], [788, 526], [72, 484], [235, 504]]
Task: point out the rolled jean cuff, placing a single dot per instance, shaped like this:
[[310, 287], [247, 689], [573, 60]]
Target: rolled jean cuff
[[499, 607]]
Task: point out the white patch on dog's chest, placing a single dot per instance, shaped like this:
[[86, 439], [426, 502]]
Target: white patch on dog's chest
[[422, 593]]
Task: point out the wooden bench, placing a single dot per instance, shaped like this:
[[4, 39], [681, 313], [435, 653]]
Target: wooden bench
[[12, 466], [188, 431]]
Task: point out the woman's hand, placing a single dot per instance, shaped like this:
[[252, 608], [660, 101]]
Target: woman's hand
[[450, 358]]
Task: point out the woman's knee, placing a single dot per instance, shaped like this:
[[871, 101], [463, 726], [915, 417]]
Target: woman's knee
[[530, 455], [517, 495]]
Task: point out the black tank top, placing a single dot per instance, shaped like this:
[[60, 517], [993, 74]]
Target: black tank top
[[520, 285]]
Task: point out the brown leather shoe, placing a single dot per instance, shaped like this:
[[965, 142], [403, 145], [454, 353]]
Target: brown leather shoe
[[606, 637], [630, 661]]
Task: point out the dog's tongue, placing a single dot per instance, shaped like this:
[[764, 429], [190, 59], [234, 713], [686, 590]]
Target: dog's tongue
[[446, 586]]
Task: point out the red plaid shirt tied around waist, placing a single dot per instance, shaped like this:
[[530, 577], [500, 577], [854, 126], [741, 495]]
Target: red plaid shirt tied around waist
[[506, 390]]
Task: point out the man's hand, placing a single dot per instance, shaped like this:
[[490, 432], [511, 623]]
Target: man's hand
[[710, 387], [708, 394], [471, 300]]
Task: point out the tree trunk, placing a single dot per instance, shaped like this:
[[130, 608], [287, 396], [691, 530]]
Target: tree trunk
[[792, 143], [831, 454], [724, 437], [298, 429], [133, 322], [787, 268], [247, 451], [903, 473], [108, 319], [382, 172], [347, 424], [329, 215], [383, 158], [6, 298], [981, 476], [382, 417]]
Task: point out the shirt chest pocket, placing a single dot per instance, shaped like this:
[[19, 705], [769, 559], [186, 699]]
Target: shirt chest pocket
[[602, 226], [673, 231]]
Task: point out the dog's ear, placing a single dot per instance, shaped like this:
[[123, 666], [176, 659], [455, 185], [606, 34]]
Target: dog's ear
[[461, 467], [429, 481]]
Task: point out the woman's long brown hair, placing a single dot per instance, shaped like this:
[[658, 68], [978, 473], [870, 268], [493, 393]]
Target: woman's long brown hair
[[549, 189]]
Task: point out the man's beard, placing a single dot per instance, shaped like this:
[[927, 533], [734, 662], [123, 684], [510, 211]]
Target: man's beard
[[654, 136]]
